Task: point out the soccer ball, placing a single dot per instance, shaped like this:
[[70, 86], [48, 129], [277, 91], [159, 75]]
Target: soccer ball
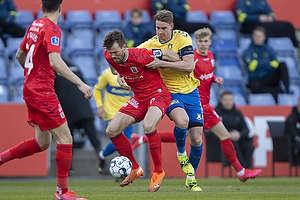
[[120, 166]]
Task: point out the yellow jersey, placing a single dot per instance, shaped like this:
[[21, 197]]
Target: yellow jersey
[[114, 98], [176, 81]]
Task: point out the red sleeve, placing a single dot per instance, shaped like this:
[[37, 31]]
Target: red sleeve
[[52, 38], [145, 56]]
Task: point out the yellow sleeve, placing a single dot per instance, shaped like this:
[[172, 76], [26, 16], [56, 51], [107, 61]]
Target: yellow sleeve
[[102, 83]]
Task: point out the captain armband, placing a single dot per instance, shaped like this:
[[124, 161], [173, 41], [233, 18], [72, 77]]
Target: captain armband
[[185, 51], [157, 53]]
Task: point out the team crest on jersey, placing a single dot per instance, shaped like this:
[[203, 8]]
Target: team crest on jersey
[[134, 70], [199, 116], [55, 40], [170, 46]]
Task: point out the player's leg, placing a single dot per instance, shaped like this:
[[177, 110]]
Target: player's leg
[[114, 131], [229, 151], [137, 140], [25, 148]]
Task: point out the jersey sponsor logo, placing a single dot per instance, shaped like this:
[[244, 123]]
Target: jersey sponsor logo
[[133, 78], [206, 76], [134, 70], [55, 40]]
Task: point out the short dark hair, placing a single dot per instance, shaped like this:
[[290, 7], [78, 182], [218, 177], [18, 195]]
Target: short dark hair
[[226, 93], [260, 28], [136, 10], [50, 5], [164, 16], [112, 37]]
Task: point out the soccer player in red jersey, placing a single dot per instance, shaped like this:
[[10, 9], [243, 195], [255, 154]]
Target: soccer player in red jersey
[[204, 71], [39, 55], [149, 103]]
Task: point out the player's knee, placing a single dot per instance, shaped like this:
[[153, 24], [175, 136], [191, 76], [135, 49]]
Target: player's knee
[[148, 128], [196, 142], [110, 132], [45, 145], [183, 124]]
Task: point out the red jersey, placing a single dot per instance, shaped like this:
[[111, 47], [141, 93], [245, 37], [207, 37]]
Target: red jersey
[[143, 81], [42, 37], [204, 71]]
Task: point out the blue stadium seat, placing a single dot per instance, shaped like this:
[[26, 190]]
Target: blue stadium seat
[[292, 68], [224, 47], [25, 18], [17, 96], [227, 34], [295, 89], [239, 99], [85, 34], [265, 99], [4, 93], [244, 43], [3, 70], [235, 89], [223, 19], [79, 19], [229, 61], [77, 46], [87, 65], [108, 19], [145, 16], [16, 74], [282, 45], [2, 48], [231, 75], [99, 46], [196, 16], [287, 99], [61, 20], [12, 45]]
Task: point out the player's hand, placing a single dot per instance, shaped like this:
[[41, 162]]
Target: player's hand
[[154, 64], [219, 80], [100, 112], [122, 82], [265, 18], [86, 90]]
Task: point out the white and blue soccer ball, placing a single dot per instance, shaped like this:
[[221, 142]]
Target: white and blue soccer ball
[[120, 166]]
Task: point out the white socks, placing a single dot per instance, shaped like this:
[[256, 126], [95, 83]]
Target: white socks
[[181, 154], [241, 173]]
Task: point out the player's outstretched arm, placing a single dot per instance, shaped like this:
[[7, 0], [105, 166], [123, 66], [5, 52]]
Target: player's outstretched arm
[[61, 67], [21, 57], [184, 65]]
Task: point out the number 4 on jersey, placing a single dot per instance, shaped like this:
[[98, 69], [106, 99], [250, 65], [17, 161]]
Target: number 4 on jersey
[[28, 61]]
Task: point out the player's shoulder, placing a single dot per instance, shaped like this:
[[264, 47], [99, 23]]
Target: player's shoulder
[[180, 34]]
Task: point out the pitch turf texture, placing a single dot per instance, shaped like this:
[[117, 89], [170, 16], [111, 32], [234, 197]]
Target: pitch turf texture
[[213, 188]]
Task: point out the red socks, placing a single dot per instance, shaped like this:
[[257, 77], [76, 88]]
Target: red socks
[[21, 150], [167, 136], [230, 153], [154, 144], [63, 163], [123, 146]]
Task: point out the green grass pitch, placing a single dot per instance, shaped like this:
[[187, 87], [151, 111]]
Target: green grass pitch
[[213, 188]]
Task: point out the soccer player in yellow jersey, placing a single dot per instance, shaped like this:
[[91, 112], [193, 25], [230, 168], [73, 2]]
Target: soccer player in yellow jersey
[[114, 98], [185, 109]]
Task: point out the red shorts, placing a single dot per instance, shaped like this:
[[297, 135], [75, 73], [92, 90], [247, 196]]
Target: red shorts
[[211, 118], [137, 108], [47, 114]]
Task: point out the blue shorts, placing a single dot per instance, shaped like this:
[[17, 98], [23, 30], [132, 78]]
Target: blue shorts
[[191, 104]]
